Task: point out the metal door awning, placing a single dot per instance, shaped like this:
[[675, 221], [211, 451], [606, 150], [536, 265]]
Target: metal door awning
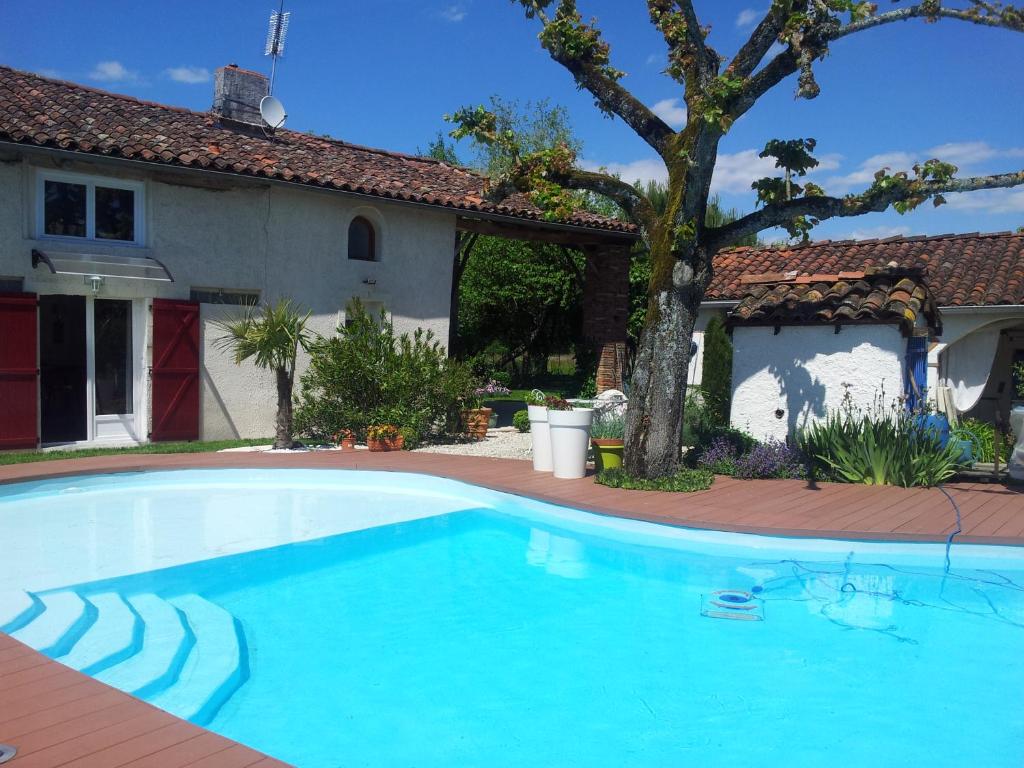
[[100, 265]]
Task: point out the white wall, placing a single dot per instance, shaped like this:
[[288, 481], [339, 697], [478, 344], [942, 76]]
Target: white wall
[[239, 234], [802, 370]]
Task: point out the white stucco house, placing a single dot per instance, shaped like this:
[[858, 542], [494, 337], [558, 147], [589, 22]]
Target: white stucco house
[[940, 317], [128, 227]]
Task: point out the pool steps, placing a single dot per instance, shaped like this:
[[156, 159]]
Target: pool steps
[[183, 654], [65, 618]]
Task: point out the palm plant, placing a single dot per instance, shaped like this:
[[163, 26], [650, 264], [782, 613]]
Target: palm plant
[[271, 337]]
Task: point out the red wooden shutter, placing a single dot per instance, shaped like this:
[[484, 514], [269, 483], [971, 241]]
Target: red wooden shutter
[[19, 371], [175, 371]]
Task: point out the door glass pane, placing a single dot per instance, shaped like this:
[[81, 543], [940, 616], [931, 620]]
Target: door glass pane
[[64, 209], [115, 214], [113, 357]]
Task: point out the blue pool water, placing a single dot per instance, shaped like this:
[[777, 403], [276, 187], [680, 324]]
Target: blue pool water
[[374, 619]]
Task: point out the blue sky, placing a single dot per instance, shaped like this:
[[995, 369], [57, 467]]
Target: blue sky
[[383, 73]]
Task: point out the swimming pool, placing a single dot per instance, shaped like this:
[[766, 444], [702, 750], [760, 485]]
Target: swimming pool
[[383, 619]]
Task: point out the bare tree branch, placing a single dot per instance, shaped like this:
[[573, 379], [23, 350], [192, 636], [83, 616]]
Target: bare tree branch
[[636, 206], [1007, 18], [761, 39], [823, 207], [788, 62], [614, 98]]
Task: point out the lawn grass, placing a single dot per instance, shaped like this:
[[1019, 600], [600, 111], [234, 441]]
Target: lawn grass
[[24, 457]]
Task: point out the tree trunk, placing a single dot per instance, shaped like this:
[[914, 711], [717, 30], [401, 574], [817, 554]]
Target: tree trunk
[[654, 417], [283, 428]]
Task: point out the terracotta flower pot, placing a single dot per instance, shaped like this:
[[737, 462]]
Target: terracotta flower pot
[[475, 422], [391, 444]]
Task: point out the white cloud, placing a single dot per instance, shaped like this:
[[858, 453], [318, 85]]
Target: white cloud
[[653, 59], [747, 17], [874, 233], [189, 75], [865, 173], [672, 111], [49, 72], [637, 171], [113, 72], [966, 155], [735, 172], [988, 201], [453, 13]]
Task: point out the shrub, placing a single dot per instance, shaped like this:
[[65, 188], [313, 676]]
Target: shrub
[[716, 382], [982, 437], [771, 459], [878, 448], [686, 480], [367, 375], [521, 420], [609, 426], [557, 403]]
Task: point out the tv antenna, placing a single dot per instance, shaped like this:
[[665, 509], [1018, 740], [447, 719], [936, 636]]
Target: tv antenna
[[277, 30]]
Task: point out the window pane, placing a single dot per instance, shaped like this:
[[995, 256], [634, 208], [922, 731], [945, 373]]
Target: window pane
[[113, 356], [64, 209], [115, 214], [360, 240]]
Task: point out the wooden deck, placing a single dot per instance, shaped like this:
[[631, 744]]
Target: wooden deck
[[56, 716]]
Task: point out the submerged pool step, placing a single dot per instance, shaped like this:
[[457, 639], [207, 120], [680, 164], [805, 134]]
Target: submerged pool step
[[64, 619], [18, 608], [115, 635], [216, 666], [166, 643]]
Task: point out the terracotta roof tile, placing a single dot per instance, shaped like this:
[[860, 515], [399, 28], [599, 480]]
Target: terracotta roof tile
[[883, 295], [52, 113], [963, 270]]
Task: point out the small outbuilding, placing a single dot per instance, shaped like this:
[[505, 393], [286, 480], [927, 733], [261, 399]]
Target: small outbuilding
[[805, 344]]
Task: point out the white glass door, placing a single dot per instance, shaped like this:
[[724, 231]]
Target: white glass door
[[112, 372]]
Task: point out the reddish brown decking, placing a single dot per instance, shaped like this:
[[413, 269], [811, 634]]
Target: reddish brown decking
[[59, 717], [56, 716]]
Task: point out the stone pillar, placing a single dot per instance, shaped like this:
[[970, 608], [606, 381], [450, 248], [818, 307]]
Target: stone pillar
[[606, 311]]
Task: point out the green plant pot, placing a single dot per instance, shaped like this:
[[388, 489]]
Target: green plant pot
[[607, 454]]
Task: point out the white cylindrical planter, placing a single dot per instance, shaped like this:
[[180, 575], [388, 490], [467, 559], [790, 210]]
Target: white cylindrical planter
[[541, 437], [570, 439], [1016, 464]]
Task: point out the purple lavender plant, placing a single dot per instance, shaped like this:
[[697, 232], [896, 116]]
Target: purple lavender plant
[[719, 456], [771, 459]]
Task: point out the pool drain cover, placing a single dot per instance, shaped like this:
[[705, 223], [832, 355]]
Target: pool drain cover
[[731, 604], [7, 752]]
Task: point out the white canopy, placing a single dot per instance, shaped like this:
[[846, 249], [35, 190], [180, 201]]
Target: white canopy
[[968, 365]]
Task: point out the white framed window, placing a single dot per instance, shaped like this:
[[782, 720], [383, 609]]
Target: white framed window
[[75, 207]]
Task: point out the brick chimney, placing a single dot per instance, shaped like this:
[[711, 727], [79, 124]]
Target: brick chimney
[[237, 93]]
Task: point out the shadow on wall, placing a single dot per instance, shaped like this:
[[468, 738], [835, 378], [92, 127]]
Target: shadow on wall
[[804, 395]]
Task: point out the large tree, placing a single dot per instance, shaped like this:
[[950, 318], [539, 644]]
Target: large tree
[[717, 93]]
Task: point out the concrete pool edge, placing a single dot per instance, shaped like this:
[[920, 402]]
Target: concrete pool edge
[[779, 508]]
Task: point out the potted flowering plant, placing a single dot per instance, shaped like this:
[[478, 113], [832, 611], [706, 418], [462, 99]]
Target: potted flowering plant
[[537, 412], [607, 435], [345, 438], [476, 418], [384, 437], [570, 437]]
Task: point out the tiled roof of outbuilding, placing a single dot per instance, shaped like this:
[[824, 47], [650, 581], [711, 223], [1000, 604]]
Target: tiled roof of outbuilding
[[889, 295], [962, 270], [42, 112]]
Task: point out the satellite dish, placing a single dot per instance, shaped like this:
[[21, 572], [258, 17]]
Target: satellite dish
[[272, 111]]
